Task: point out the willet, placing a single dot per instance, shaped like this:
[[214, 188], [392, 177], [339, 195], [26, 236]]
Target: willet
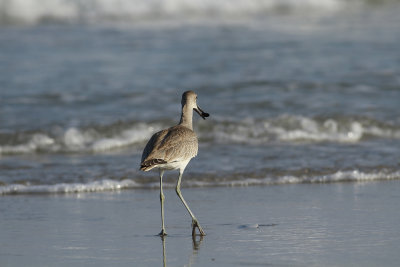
[[172, 149]]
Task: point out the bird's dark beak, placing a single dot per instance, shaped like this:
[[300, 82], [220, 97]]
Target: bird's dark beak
[[202, 114]]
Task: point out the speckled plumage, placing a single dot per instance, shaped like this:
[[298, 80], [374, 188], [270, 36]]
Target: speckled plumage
[[172, 145]]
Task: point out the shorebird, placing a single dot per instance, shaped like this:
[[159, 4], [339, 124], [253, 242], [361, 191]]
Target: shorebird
[[172, 149]]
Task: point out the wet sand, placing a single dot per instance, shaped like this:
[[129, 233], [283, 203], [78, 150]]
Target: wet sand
[[342, 224]]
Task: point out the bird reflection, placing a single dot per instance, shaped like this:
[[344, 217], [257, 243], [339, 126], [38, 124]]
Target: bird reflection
[[196, 242], [163, 251]]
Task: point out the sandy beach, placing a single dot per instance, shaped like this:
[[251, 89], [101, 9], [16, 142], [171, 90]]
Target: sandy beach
[[343, 224]]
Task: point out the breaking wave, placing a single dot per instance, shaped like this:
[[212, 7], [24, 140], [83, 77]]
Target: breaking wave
[[76, 140], [286, 128], [115, 185], [290, 128], [73, 11]]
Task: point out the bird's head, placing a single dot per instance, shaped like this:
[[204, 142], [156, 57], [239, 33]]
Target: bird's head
[[189, 98]]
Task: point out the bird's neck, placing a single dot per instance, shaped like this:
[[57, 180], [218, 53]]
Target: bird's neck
[[186, 117]]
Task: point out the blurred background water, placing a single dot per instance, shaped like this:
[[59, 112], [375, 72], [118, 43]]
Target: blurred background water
[[298, 91]]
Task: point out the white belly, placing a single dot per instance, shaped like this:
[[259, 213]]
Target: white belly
[[174, 165]]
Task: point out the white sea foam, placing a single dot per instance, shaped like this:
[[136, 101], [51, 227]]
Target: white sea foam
[[340, 176], [291, 128], [127, 137], [114, 185], [82, 140], [92, 141], [37, 142], [312, 130], [286, 128], [96, 186], [36, 11]]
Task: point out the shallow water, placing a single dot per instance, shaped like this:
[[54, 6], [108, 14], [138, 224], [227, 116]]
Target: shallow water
[[342, 224], [292, 100]]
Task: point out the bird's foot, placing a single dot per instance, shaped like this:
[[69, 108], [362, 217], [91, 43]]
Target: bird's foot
[[162, 233], [195, 224]]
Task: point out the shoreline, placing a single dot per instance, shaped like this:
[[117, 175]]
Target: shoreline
[[298, 225], [109, 185]]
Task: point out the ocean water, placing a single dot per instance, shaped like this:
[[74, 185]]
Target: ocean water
[[298, 91]]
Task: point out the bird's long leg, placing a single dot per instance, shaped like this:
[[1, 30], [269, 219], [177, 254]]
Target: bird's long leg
[[195, 222], [163, 232]]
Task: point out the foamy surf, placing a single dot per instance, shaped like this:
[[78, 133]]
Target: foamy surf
[[116, 185], [37, 11], [292, 128], [95, 186], [286, 128], [89, 140]]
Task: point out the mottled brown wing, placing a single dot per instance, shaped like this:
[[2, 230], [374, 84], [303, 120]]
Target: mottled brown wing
[[153, 143], [174, 144]]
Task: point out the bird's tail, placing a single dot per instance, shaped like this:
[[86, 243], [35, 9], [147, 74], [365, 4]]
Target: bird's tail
[[150, 164]]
